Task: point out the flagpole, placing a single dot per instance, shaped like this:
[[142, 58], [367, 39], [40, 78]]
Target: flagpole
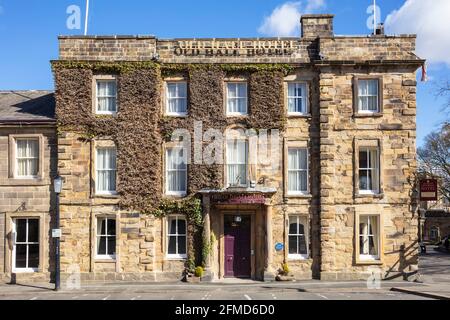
[[374, 17], [86, 19]]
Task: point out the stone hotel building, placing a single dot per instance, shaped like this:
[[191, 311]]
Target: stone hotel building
[[138, 120]]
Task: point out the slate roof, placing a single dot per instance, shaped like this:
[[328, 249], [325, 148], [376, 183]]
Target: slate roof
[[27, 107]]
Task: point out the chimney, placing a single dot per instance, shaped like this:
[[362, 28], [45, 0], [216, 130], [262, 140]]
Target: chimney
[[317, 25]]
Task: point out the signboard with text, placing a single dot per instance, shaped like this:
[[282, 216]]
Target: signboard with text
[[428, 189]]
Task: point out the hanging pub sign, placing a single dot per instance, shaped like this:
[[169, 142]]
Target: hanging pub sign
[[428, 189]]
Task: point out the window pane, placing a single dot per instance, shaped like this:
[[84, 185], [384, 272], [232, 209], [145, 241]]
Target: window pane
[[293, 225], [365, 182], [21, 255], [101, 245], [363, 160], [182, 245], [33, 230], [293, 249], [111, 246], [231, 90], [242, 90], [101, 227], [302, 244], [111, 227], [301, 229], [172, 225], [181, 226], [21, 230], [372, 87], [172, 245], [33, 256]]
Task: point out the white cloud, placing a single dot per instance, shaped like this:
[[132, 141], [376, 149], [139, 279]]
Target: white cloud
[[429, 20], [313, 5], [285, 19]]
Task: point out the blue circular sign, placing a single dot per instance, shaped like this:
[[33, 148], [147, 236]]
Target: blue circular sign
[[279, 246]]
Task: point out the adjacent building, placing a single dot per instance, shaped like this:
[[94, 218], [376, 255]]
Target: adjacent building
[[28, 162], [162, 147]]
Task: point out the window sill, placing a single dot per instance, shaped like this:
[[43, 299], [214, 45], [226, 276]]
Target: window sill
[[369, 195], [114, 195], [176, 195], [25, 182], [176, 115], [105, 260], [299, 115], [97, 113], [369, 262], [299, 258], [368, 115], [176, 258], [33, 270], [237, 115], [298, 196]]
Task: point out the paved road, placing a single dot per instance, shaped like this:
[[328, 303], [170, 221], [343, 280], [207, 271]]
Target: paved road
[[259, 291], [434, 266]]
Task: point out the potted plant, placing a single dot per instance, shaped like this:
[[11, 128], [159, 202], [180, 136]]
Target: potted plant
[[193, 274], [284, 274]]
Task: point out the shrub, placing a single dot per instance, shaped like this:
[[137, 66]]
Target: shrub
[[285, 268], [199, 272]]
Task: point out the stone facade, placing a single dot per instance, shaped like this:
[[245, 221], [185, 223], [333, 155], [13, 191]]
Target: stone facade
[[332, 132]]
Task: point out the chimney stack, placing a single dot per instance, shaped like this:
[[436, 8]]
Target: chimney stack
[[317, 25]]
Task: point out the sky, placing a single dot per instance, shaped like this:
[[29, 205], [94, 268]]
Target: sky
[[29, 30]]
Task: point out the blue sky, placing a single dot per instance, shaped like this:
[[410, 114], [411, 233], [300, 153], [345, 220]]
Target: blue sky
[[29, 30]]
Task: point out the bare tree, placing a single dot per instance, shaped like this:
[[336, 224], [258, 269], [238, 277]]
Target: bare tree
[[443, 90], [434, 158]]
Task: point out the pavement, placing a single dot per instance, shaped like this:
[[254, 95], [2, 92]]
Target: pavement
[[303, 290], [434, 268]]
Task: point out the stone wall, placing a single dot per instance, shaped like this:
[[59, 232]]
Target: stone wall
[[108, 48], [30, 198], [395, 130]]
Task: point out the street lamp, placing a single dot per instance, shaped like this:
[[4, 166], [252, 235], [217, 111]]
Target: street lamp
[[56, 233]]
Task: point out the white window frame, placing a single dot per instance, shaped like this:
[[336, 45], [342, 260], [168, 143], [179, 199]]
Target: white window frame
[[16, 173], [97, 97], [101, 192], [304, 99], [185, 99], [304, 221], [27, 243], [302, 192], [98, 236], [233, 114], [247, 166], [169, 192], [369, 257], [374, 170], [175, 256], [377, 96]]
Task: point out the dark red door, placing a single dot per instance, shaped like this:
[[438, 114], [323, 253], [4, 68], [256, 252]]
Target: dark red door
[[237, 246]]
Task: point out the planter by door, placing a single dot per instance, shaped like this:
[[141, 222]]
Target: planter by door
[[237, 246]]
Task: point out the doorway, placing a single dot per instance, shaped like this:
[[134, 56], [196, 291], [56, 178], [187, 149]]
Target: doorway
[[237, 232]]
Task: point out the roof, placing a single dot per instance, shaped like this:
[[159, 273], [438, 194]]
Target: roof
[[30, 106]]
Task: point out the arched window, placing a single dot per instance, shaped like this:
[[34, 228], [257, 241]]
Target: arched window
[[298, 248]]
